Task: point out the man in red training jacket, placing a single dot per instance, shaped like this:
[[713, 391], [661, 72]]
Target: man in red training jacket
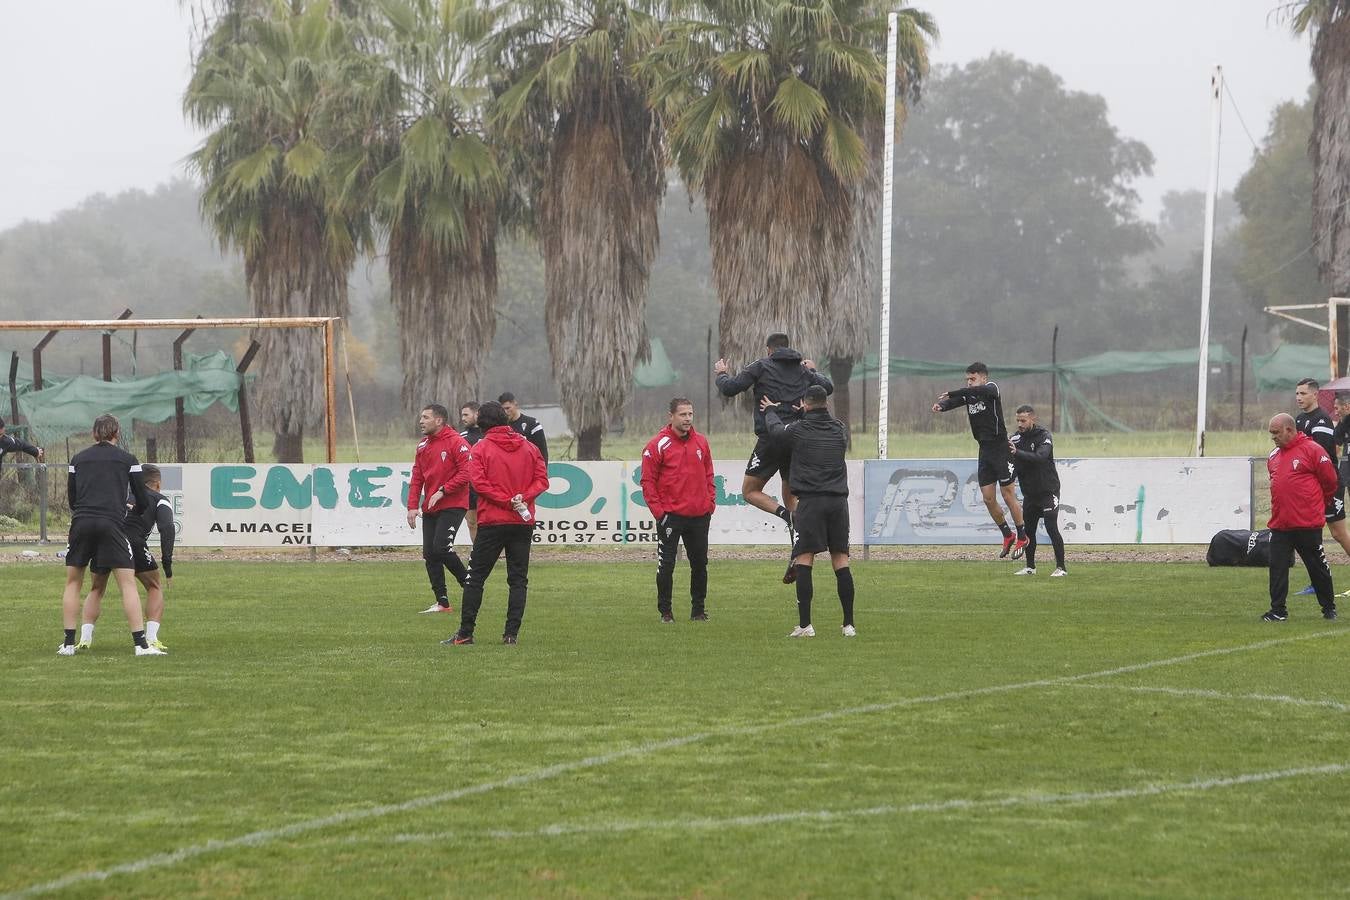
[[508, 472], [677, 483], [439, 491], [1302, 482]]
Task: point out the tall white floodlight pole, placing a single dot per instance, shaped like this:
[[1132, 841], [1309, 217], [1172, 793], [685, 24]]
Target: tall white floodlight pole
[[884, 341], [1202, 393]]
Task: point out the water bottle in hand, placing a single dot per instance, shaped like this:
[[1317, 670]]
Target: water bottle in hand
[[521, 507]]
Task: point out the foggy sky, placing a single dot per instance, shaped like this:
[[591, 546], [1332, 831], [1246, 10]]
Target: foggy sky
[[91, 90]]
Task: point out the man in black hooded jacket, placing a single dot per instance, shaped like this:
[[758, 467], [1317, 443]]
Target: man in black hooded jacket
[[783, 375]]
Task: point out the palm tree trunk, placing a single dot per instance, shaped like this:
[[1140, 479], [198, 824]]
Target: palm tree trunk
[[841, 370], [776, 222], [1330, 146], [598, 217], [445, 306]]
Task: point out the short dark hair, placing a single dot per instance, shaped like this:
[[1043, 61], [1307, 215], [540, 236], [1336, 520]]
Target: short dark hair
[[815, 396], [437, 410], [776, 340], [469, 404], [504, 397], [150, 472], [977, 368], [106, 428], [1027, 408], [677, 402], [1341, 397], [491, 415], [1309, 382]]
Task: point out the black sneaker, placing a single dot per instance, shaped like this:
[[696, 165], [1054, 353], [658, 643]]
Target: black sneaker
[[508, 639], [1329, 614], [790, 576], [667, 618], [699, 617], [1275, 615], [457, 639]]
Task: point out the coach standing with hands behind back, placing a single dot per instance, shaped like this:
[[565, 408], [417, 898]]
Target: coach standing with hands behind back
[[1302, 482]]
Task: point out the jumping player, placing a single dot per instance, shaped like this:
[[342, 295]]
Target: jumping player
[[985, 409], [783, 374]]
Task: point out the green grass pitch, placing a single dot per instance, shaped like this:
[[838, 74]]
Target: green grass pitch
[[1130, 731]]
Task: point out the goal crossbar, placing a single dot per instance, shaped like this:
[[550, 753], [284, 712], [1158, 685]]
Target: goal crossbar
[[327, 324]]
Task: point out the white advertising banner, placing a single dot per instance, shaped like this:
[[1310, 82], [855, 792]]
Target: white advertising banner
[[364, 504], [1102, 501]]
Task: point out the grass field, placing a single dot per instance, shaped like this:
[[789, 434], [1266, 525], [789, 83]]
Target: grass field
[[1131, 730]]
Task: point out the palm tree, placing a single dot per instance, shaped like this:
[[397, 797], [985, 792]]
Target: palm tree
[[1329, 22], [767, 99], [437, 194], [275, 90], [592, 159], [846, 331]]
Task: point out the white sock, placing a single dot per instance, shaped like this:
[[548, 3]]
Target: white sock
[[86, 634], [151, 632]]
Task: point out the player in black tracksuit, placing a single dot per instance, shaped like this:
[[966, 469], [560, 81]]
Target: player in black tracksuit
[[1033, 455], [10, 444], [1316, 424], [527, 426], [783, 375], [138, 526], [818, 442], [100, 480], [985, 408], [472, 434]]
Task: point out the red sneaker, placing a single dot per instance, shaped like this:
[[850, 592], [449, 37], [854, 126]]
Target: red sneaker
[[1020, 547], [1008, 545]]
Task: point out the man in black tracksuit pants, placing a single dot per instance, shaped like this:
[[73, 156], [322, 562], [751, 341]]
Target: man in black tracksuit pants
[[983, 405], [1316, 424], [1033, 455], [818, 442], [783, 375]]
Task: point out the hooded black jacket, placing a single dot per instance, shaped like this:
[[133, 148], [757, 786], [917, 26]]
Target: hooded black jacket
[[1035, 461], [779, 376]]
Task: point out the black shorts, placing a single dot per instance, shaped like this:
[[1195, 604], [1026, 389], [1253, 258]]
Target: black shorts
[[142, 560], [821, 521], [1045, 504], [1336, 508], [473, 499], [95, 539], [770, 456], [995, 463]]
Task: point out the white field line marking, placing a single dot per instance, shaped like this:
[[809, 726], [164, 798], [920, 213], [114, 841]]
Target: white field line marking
[[269, 835], [1206, 694], [830, 815]]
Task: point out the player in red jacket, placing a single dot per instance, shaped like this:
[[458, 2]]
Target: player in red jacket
[[439, 491], [1302, 482], [677, 483], [508, 472]]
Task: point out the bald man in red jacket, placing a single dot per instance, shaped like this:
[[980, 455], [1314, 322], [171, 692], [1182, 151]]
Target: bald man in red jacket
[[1302, 482]]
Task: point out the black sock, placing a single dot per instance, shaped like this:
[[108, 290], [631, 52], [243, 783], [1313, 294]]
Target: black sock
[[844, 582], [70, 637], [138, 638], [803, 595], [1003, 527], [1022, 532]]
